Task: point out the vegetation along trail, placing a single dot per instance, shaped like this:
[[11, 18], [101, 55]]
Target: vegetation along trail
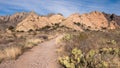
[[42, 56]]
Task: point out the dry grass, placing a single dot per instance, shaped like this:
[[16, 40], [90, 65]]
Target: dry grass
[[12, 52], [60, 38], [14, 44], [32, 42], [35, 40]]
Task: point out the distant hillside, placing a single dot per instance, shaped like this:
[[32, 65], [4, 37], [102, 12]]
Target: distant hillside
[[12, 20], [89, 21]]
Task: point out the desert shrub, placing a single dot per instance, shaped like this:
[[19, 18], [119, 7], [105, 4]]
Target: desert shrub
[[55, 26], [103, 28], [91, 59], [46, 27], [78, 24], [67, 37], [32, 42], [20, 31], [113, 42], [30, 30], [36, 29], [74, 40], [82, 36], [44, 37], [33, 33], [12, 52], [29, 45], [10, 27]]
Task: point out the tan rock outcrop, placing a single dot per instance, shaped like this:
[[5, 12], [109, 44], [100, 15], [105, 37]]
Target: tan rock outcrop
[[33, 21], [12, 20], [69, 22], [91, 21], [56, 19]]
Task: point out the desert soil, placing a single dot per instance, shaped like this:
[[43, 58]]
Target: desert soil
[[42, 56]]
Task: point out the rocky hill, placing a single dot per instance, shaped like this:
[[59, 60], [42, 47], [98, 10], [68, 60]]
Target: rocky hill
[[34, 21], [12, 20], [89, 21], [92, 21]]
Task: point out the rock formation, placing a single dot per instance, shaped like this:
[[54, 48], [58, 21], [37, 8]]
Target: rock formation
[[12, 20], [88, 21]]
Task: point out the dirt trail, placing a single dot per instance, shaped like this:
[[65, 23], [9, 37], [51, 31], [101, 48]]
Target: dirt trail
[[42, 56]]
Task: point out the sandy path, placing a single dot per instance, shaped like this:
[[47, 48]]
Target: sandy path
[[42, 56]]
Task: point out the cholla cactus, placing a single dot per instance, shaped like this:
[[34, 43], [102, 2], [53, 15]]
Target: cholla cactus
[[66, 62], [93, 59], [77, 54]]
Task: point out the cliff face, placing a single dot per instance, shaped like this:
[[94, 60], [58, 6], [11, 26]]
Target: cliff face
[[92, 21]]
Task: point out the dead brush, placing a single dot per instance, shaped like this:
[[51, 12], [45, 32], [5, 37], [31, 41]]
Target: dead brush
[[32, 42], [12, 52]]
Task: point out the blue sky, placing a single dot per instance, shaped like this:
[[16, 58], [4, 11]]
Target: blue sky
[[66, 7]]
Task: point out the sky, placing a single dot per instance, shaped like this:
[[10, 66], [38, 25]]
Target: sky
[[66, 7]]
